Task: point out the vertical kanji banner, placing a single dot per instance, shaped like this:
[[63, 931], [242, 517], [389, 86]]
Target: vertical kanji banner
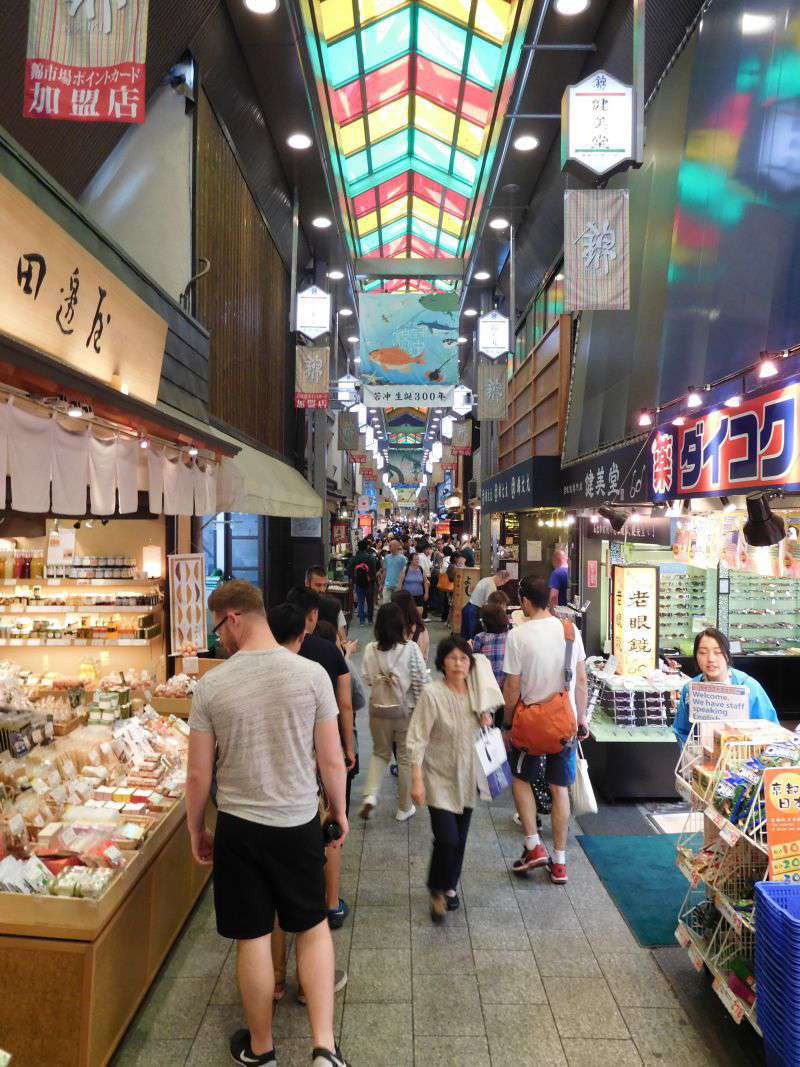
[[347, 424], [596, 250], [448, 462], [311, 377], [492, 389], [461, 444], [86, 60]]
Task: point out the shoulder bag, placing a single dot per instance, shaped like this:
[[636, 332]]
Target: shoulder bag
[[547, 728]]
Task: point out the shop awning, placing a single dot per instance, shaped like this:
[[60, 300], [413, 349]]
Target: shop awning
[[256, 483]]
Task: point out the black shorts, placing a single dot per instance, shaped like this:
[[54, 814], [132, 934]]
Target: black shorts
[[558, 769], [260, 870]]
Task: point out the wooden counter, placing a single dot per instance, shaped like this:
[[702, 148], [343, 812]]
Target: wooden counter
[[75, 971]]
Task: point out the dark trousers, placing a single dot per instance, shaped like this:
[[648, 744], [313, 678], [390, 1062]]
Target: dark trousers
[[445, 605], [449, 841], [365, 598]]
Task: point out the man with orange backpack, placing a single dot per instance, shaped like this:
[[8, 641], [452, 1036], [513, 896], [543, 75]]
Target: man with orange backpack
[[545, 697]]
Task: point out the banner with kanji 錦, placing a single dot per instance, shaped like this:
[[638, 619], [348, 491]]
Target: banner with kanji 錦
[[347, 422], [448, 462], [86, 60], [360, 454], [597, 250], [461, 444], [311, 377], [492, 389]]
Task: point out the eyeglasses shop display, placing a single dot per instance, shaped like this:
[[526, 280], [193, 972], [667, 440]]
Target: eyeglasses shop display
[[632, 701], [682, 607], [763, 614]]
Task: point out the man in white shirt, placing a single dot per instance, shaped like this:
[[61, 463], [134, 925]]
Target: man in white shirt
[[534, 667], [470, 616], [425, 561]]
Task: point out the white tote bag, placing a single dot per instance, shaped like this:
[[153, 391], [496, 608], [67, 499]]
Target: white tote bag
[[491, 770], [581, 792]]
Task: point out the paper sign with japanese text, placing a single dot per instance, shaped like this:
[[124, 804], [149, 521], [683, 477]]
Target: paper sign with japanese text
[[461, 443], [311, 376], [712, 702], [782, 803], [86, 60], [419, 396], [635, 631]]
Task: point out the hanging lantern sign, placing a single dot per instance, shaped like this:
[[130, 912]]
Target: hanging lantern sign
[[313, 311], [347, 425], [347, 390], [462, 400], [492, 390], [597, 124], [493, 335]]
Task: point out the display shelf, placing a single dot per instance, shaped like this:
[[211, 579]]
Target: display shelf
[[604, 729], [68, 583], [79, 642], [83, 609]]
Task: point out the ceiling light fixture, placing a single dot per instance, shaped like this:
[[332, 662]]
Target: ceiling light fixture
[[753, 24], [335, 275], [645, 418], [463, 340], [321, 222], [353, 339], [693, 400], [470, 313], [679, 420], [299, 141], [733, 402], [763, 528], [75, 411], [767, 368], [526, 142], [571, 7], [261, 7], [193, 452], [346, 312], [482, 275], [499, 223]]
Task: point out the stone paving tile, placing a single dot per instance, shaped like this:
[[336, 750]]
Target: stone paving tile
[[453, 957], [584, 1007], [582, 1052], [564, 954], [450, 1052], [665, 1036], [508, 978], [517, 1038], [390, 1021], [174, 1008], [378, 976], [447, 1005], [140, 1051], [636, 980]]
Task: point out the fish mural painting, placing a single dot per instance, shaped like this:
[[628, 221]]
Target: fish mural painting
[[405, 341]]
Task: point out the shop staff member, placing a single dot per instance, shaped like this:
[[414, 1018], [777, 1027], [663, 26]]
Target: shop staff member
[[713, 655], [559, 580]]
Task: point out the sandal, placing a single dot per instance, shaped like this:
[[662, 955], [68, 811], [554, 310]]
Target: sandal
[[279, 992]]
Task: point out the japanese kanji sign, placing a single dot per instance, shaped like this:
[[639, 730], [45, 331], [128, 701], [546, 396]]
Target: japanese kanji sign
[[348, 439], [360, 454], [531, 483], [635, 631], [492, 389], [313, 312], [61, 301], [86, 60], [782, 805], [616, 476], [395, 396], [596, 250], [597, 124], [461, 443], [493, 334], [311, 377], [729, 451]]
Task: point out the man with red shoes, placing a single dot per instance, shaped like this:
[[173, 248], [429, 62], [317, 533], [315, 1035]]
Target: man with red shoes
[[543, 658]]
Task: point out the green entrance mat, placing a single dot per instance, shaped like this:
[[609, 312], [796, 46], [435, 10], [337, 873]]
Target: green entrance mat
[[641, 877]]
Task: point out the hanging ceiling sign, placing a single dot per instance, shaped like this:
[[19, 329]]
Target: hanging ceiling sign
[[461, 444], [418, 396], [597, 123], [86, 60], [729, 451], [313, 311], [597, 250], [493, 335], [409, 339], [311, 388], [492, 390]]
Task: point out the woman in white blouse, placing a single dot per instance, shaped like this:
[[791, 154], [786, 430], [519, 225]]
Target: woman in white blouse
[[391, 657], [441, 746]]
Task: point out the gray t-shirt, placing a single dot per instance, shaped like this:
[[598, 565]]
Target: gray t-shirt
[[261, 708]]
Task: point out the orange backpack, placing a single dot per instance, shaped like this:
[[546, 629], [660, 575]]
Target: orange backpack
[[547, 728]]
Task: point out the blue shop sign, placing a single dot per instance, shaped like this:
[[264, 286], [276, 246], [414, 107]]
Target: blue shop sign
[[534, 483]]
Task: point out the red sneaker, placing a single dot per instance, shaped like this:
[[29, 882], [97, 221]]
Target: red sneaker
[[530, 859], [558, 872]]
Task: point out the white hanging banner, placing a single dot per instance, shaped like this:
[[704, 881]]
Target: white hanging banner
[[597, 124], [493, 335], [597, 250], [313, 312], [419, 396]]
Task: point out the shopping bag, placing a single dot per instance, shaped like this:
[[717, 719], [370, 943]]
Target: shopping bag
[[492, 771], [581, 792]]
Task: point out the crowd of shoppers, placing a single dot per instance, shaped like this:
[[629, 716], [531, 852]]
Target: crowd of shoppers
[[274, 725]]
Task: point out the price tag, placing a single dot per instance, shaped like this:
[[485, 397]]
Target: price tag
[[696, 958], [729, 999], [682, 936], [717, 819], [729, 834], [725, 909], [191, 665]]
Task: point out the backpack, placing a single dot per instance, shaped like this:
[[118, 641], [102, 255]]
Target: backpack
[[547, 728], [386, 700], [361, 575]]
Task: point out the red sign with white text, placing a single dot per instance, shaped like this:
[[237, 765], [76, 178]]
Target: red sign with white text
[[730, 450]]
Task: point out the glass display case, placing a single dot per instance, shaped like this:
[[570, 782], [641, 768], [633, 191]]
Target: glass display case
[[686, 604], [760, 614]]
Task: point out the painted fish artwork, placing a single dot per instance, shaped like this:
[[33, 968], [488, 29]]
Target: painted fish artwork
[[406, 341]]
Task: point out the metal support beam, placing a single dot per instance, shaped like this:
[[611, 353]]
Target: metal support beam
[[639, 12], [410, 268], [549, 116], [559, 48]]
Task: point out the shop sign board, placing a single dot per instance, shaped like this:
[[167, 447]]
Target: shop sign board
[[348, 435], [313, 312], [493, 334], [712, 702], [364, 505], [307, 527], [638, 530], [419, 396], [311, 376], [492, 389], [86, 60], [782, 803], [461, 443], [598, 124], [187, 603], [591, 574], [618, 476], [729, 451], [406, 496], [61, 301], [635, 606], [531, 483]]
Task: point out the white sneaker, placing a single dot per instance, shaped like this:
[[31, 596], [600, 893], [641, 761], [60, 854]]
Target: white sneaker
[[367, 807], [404, 816], [322, 1057]]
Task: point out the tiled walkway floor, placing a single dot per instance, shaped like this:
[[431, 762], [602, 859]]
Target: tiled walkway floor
[[525, 974]]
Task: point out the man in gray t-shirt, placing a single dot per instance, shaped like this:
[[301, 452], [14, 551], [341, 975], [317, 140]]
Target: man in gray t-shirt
[[270, 718]]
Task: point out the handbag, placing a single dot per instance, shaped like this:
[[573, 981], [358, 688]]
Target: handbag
[[546, 728], [444, 585], [492, 771], [581, 792]]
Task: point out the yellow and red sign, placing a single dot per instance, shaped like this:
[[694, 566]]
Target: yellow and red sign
[[782, 803], [635, 597]]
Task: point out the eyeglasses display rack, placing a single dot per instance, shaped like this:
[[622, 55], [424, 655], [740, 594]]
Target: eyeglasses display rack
[[763, 614]]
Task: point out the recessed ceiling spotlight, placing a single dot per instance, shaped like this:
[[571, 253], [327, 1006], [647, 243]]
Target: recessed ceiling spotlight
[[321, 222], [335, 275], [571, 7], [463, 340], [75, 411], [261, 7], [526, 142], [345, 312], [499, 223], [353, 339], [193, 452], [300, 141], [482, 275], [470, 313]]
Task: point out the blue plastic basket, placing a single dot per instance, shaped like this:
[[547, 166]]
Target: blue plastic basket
[[778, 971]]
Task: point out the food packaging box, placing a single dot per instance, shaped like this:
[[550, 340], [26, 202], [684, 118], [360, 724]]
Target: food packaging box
[[203, 663], [180, 706]]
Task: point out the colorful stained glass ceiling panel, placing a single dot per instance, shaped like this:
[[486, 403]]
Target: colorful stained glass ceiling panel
[[413, 91]]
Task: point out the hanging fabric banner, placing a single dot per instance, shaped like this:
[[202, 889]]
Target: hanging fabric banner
[[596, 250], [368, 473], [461, 444], [409, 340], [348, 431], [86, 60], [437, 475], [360, 455], [492, 389], [448, 462], [312, 369]]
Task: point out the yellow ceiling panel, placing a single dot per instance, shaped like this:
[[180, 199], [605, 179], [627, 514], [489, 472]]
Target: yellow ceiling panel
[[470, 137], [425, 211], [367, 223], [451, 224], [434, 119], [352, 137], [458, 10], [493, 19], [337, 18], [373, 9], [395, 210], [388, 119]]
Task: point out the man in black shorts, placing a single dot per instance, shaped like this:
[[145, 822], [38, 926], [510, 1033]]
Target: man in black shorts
[[272, 718]]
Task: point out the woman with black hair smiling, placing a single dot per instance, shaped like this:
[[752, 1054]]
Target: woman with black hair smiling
[[441, 748]]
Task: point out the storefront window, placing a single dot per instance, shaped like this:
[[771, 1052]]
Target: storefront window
[[235, 547]]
